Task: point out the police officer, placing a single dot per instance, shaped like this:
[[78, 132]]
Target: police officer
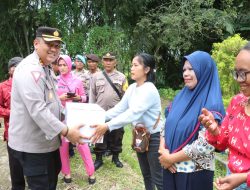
[[103, 94], [92, 62], [35, 126]]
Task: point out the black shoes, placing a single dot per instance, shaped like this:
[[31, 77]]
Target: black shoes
[[98, 163], [67, 180], [117, 162], [91, 180]]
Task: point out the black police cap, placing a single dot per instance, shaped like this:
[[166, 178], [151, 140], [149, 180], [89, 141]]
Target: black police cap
[[49, 34]]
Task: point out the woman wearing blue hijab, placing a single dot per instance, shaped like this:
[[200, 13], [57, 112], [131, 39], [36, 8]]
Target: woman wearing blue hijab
[[186, 157]]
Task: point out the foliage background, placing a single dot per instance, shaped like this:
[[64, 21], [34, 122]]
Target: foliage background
[[167, 29], [224, 54]]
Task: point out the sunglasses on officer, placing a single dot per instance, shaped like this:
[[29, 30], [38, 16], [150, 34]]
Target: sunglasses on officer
[[240, 75]]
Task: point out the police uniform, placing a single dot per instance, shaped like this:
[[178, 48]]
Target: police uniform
[[102, 93], [34, 121], [81, 75], [87, 80], [88, 75]]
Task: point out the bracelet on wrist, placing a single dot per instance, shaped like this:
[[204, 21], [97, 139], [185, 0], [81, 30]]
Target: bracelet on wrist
[[67, 131]]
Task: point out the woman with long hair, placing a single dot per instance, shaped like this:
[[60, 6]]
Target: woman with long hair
[[140, 104]]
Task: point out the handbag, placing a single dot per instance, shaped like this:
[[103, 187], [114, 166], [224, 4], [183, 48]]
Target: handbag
[[141, 137]]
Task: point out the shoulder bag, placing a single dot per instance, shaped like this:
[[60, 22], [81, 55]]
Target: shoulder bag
[[141, 137]]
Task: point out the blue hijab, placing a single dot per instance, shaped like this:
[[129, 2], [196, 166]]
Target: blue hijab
[[186, 106]]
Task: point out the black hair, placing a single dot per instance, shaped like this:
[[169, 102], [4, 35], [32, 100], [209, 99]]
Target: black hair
[[246, 47], [148, 60]]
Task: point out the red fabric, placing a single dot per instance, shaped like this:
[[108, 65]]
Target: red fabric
[[235, 135], [5, 92], [248, 179]]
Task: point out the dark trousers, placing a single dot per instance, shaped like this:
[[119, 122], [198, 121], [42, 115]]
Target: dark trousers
[[150, 165], [112, 139], [16, 172], [200, 180], [40, 169]]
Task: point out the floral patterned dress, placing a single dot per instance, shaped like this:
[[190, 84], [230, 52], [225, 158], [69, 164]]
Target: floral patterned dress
[[235, 135]]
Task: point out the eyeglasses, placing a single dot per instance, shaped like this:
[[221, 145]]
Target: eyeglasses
[[240, 76]]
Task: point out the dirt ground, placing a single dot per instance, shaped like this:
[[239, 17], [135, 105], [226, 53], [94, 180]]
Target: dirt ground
[[4, 167]]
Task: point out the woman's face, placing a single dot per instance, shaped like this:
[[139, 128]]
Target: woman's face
[[138, 71], [243, 65], [79, 64], [189, 76], [63, 67]]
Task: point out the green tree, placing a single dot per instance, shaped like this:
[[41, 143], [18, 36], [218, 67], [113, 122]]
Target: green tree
[[19, 19], [103, 39], [178, 28], [224, 54], [167, 29]]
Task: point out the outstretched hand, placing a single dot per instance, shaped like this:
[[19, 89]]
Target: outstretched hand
[[99, 132], [230, 182], [207, 120], [74, 135]]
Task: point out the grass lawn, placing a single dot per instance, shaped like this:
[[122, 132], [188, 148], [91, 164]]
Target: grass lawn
[[110, 177]]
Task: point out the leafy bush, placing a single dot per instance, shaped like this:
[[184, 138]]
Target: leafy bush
[[168, 93], [226, 101], [224, 54]]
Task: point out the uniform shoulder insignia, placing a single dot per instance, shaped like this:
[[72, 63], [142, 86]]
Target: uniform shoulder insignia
[[36, 75], [125, 86]]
